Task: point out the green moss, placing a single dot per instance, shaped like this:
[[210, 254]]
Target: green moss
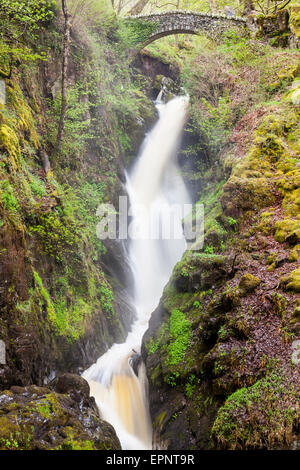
[[16, 122], [37, 186], [294, 20], [46, 297], [248, 283], [10, 142], [280, 304], [57, 234], [106, 300], [152, 346], [243, 421], [294, 254], [44, 409], [136, 31], [72, 441], [179, 337], [8, 197], [67, 319], [265, 225], [287, 230], [291, 282]]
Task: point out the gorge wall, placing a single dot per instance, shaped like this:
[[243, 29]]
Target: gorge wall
[[220, 346], [221, 349]]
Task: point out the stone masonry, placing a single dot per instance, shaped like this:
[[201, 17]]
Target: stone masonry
[[187, 22]]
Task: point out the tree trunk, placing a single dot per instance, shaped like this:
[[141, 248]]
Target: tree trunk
[[176, 35], [213, 6], [64, 82], [138, 7], [248, 6]]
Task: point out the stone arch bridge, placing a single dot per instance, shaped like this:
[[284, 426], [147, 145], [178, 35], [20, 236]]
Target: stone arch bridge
[[149, 28]]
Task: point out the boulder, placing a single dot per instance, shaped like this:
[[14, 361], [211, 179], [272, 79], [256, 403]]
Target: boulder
[[41, 418]]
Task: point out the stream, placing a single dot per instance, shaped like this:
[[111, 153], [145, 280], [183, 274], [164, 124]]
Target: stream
[[155, 188]]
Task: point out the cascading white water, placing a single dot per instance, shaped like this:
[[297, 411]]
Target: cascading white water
[[153, 185]]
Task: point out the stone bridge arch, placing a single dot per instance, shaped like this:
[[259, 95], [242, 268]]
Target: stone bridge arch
[[153, 27]]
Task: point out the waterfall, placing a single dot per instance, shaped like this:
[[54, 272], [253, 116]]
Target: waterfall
[[118, 379]]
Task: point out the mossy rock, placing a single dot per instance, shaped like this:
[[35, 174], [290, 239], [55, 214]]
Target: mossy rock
[[200, 271], [38, 418], [260, 416], [291, 282], [248, 283], [295, 316], [246, 194], [287, 230], [295, 21], [294, 254], [167, 85]]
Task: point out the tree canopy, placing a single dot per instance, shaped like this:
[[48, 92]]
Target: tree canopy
[[20, 20]]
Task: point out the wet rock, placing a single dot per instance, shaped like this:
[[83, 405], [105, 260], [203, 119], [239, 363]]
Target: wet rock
[[72, 384], [38, 418], [168, 88], [135, 362], [151, 67]]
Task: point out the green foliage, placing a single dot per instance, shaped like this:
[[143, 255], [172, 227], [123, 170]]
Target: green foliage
[[26, 12], [190, 386], [135, 32], [67, 317], [152, 345], [216, 122], [241, 51], [179, 337], [79, 209], [20, 20], [172, 378], [106, 300], [270, 418], [70, 317], [56, 234], [37, 186], [46, 298], [78, 130], [44, 409], [97, 15], [8, 197]]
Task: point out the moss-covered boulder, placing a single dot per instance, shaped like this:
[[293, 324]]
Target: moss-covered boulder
[[287, 230], [248, 283], [242, 194], [274, 27], [40, 418], [168, 88], [201, 271], [243, 423], [291, 282], [295, 23]]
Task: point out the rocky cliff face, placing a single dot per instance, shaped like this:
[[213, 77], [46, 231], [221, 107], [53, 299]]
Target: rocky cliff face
[[64, 297], [221, 348]]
